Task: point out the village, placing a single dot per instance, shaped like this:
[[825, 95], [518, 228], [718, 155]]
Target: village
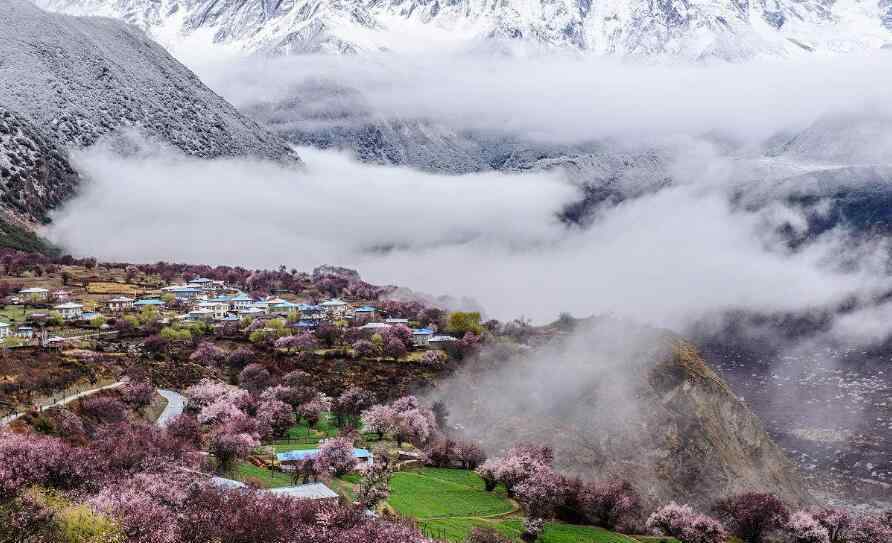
[[189, 391], [41, 311]]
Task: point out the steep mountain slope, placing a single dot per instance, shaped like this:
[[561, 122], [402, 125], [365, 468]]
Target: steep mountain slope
[[616, 399], [730, 29], [78, 79], [35, 175]]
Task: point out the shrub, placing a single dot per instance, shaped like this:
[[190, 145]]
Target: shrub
[[104, 409], [611, 504], [254, 378], [752, 515]]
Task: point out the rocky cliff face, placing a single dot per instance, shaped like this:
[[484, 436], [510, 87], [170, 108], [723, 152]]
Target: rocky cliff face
[[79, 79], [619, 400], [35, 175]]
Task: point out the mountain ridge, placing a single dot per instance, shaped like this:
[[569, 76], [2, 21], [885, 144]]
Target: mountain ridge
[[727, 29]]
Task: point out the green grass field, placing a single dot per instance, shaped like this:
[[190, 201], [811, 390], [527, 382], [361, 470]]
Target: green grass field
[[432, 493], [270, 479], [15, 314], [449, 503]]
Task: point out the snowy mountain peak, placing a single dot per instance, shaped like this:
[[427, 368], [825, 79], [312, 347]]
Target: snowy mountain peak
[[730, 29]]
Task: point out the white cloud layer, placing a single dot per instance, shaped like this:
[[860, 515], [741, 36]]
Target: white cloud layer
[[570, 98], [678, 254]]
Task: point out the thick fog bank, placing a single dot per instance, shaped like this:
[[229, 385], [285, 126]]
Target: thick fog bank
[[677, 254]]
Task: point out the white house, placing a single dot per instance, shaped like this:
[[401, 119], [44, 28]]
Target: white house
[[241, 301], [201, 314], [35, 293], [217, 309], [421, 336], [119, 304], [440, 341], [5, 330], [394, 322], [25, 332], [336, 309], [70, 311]]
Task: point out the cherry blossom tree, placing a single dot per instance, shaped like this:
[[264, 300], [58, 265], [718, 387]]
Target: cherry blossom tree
[[469, 454], [612, 504], [254, 378], [185, 428], [865, 528], [228, 448], [685, 525], [335, 457], [139, 394], [394, 348], [752, 516], [365, 348], [239, 358], [207, 354], [351, 403], [804, 528], [312, 410], [277, 415], [836, 521], [104, 409], [300, 343], [374, 484], [380, 419], [416, 426], [434, 359], [540, 494]]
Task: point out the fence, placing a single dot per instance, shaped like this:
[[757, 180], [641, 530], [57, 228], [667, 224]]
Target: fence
[[437, 533], [368, 437]]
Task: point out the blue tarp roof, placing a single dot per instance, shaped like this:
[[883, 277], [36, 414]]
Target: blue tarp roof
[[423, 331], [293, 456], [148, 302]]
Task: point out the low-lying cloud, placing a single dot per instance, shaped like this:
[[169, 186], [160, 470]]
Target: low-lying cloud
[[569, 98], [677, 254]]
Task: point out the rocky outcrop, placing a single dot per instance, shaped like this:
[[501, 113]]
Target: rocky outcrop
[[616, 399], [35, 175]]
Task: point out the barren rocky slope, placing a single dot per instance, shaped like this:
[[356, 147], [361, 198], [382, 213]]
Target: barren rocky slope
[[619, 400]]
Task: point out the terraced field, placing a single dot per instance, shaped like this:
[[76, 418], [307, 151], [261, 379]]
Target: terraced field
[[449, 503], [443, 493]]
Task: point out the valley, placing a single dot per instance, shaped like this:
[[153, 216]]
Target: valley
[[318, 271]]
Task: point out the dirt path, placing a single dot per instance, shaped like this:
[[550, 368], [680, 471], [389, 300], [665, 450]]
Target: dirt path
[[66, 400]]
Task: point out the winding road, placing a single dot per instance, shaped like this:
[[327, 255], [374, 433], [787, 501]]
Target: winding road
[[66, 400], [176, 402]]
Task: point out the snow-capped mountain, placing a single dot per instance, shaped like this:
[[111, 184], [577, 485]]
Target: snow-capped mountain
[[730, 29], [77, 79]]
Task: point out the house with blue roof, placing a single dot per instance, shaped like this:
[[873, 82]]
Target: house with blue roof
[[366, 312], [182, 292], [291, 457], [241, 301], [148, 302]]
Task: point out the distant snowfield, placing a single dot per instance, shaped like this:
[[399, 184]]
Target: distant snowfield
[[694, 29]]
